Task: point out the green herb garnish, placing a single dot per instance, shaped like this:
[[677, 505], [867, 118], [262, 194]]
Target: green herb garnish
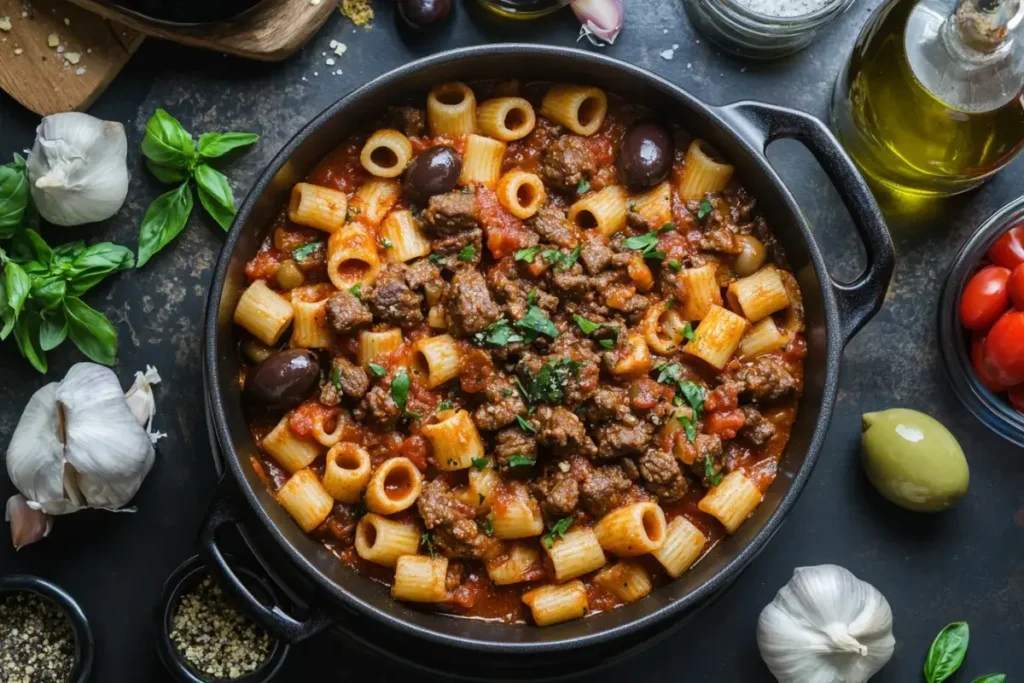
[[562, 261], [486, 526], [674, 265], [687, 423], [437, 258], [400, 389], [444, 405], [356, 290], [378, 369], [688, 332], [480, 464], [557, 530], [607, 343], [527, 254], [302, 253], [548, 385], [525, 425], [704, 210], [497, 334], [646, 244], [536, 322], [671, 374], [428, 543], [467, 253], [336, 379], [519, 460], [709, 471], [586, 326], [583, 186], [386, 243], [947, 652]]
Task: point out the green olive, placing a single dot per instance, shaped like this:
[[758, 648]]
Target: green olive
[[751, 257], [913, 460]]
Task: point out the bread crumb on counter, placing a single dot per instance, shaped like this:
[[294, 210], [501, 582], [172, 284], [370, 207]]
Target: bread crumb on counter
[[53, 40], [359, 11], [5, 23]]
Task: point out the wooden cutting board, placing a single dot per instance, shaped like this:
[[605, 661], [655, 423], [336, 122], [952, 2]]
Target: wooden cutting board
[[44, 78]]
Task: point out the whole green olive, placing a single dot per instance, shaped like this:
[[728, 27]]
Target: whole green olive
[[751, 257], [913, 460]]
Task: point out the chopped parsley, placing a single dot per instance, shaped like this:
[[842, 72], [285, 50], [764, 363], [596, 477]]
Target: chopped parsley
[[709, 471], [557, 530], [704, 210], [527, 254], [467, 253], [671, 374], [525, 425], [386, 243], [486, 526], [583, 186], [356, 290], [507, 393], [646, 244], [378, 369], [497, 334], [428, 543], [674, 264], [302, 253], [666, 227], [437, 258], [562, 261], [336, 379], [588, 328], [688, 332], [531, 298], [519, 460], [687, 423], [694, 394], [548, 385], [444, 405], [585, 325], [400, 389], [480, 464], [536, 322], [607, 343]]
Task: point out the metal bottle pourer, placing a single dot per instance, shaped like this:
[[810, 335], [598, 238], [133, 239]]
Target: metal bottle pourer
[[986, 25]]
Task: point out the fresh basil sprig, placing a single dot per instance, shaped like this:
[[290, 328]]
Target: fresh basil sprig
[[13, 196], [947, 653], [174, 158]]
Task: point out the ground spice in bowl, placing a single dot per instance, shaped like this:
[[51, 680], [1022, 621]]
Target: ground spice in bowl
[[37, 642], [217, 641]]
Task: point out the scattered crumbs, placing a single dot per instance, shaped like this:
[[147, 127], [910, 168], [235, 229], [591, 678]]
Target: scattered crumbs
[[304, 78], [24, 15], [316, 73], [18, 51], [53, 40], [88, 51], [323, 54], [329, 62], [72, 57], [79, 71], [333, 44], [67, 22], [359, 11], [667, 54], [743, 70], [338, 72], [665, 32], [5, 23], [340, 49], [784, 8], [689, 65], [314, 3], [675, 46], [60, 49]]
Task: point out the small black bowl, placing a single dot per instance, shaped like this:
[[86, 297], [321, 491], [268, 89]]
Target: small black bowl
[[84, 646], [186, 577]]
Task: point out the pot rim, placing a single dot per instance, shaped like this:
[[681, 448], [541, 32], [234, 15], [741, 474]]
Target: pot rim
[[834, 343]]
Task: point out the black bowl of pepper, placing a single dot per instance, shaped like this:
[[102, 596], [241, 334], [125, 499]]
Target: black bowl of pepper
[[204, 639], [44, 635]]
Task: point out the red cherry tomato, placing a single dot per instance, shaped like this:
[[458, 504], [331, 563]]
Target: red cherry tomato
[[1017, 398], [978, 362], [1016, 286], [985, 298], [1004, 349], [1008, 250]]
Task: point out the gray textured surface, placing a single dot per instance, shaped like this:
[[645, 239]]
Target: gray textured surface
[[966, 564]]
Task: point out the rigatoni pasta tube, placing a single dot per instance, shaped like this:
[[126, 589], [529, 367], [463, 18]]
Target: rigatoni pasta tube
[[663, 329], [402, 237], [626, 580], [394, 486], [604, 211], [653, 206], [375, 345], [441, 355], [759, 295], [518, 565], [555, 604], [346, 472], [320, 433], [451, 110], [455, 440], [481, 162], [515, 514], [683, 545], [483, 484], [373, 200], [579, 108], [382, 541], [701, 291], [289, 450], [634, 359], [577, 553], [521, 193], [505, 118], [732, 501], [764, 337], [419, 578], [309, 327], [386, 153], [317, 207], [352, 257], [717, 336], [632, 530], [437, 318], [263, 313], [305, 500], [703, 172]]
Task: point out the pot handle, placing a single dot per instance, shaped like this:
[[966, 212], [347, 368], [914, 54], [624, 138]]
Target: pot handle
[[224, 510], [763, 124]]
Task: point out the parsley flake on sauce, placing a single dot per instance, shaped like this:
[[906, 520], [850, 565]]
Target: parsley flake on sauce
[[356, 290], [519, 460], [525, 425], [687, 424], [467, 253], [527, 254], [675, 265], [336, 379], [497, 334], [705, 209], [444, 405], [428, 543], [646, 244], [436, 258], [536, 322], [585, 325], [386, 243], [302, 253], [378, 369], [400, 389], [671, 374], [583, 186], [548, 385], [688, 332], [480, 464], [557, 530], [486, 526], [709, 471]]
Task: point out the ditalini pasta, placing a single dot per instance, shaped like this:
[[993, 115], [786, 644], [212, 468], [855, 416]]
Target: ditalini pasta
[[515, 355]]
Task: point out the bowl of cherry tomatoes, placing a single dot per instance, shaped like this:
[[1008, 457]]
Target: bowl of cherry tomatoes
[[981, 323]]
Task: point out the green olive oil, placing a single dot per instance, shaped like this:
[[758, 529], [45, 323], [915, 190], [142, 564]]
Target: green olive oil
[[931, 102]]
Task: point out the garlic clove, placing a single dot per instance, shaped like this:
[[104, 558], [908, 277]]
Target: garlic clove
[[35, 456], [28, 525], [110, 451], [141, 401]]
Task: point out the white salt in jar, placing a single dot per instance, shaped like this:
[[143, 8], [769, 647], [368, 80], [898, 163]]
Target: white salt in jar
[[763, 29]]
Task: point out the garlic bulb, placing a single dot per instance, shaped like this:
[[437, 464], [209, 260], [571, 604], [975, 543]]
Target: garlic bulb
[[82, 443], [77, 171], [826, 626]]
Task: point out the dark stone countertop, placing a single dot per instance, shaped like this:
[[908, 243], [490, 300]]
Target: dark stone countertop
[[966, 564]]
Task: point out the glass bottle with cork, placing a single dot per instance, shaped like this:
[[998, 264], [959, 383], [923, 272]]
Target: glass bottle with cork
[[931, 102]]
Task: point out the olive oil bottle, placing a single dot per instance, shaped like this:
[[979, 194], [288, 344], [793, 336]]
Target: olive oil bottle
[[931, 102]]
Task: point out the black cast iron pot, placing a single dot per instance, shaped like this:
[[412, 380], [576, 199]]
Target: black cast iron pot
[[834, 313]]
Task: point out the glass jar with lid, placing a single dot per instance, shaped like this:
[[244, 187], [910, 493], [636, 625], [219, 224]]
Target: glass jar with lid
[[524, 9]]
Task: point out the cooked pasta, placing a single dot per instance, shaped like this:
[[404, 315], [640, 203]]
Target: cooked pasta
[[604, 211], [309, 326], [402, 237], [317, 207], [373, 200], [382, 541], [352, 257], [420, 579], [394, 486], [481, 162], [717, 336], [664, 329], [263, 312], [759, 295], [521, 563], [454, 439], [634, 358], [305, 500], [577, 553], [581, 109], [346, 472], [505, 118], [732, 500], [632, 530], [703, 172], [701, 291], [451, 110], [764, 337], [654, 207], [289, 450], [320, 433], [375, 346], [521, 193], [627, 580], [515, 514], [441, 356], [386, 153], [555, 604], [684, 544]]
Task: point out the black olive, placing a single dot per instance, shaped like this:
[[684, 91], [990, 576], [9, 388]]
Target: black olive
[[424, 14], [283, 381], [646, 155], [435, 171]]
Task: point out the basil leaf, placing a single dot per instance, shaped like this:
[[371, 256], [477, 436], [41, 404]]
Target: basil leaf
[[548, 385], [213, 145], [691, 431], [537, 321], [13, 196], [167, 142], [53, 331], [525, 425], [991, 678], [171, 175], [704, 210], [215, 195], [50, 291], [400, 389], [606, 343], [527, 254], [518, 460], [26, 333], [674, 265], [498, 334], [694, 394], [378, 369], [688, 332], [480, 464], [70, 250], [29, 248], [91, 331], [165, 218], [17, 285], [467, 253], [947, 652], [585, 325], [557, 530], [643, 242], [709, 471], [95, 263], [444, 405], [356, 290]]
